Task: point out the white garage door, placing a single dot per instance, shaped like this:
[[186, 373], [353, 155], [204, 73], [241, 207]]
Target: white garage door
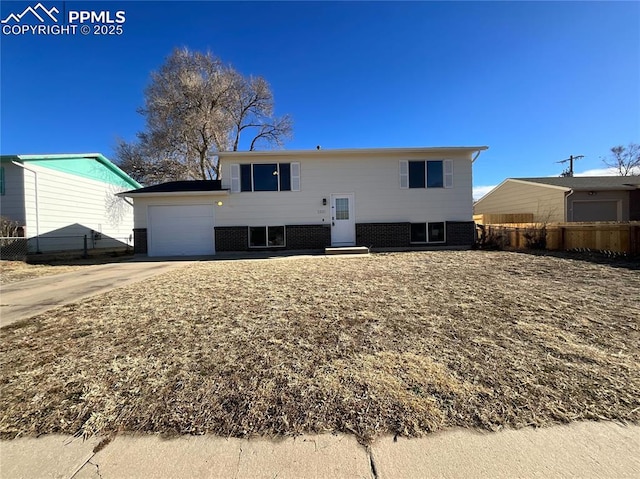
[[595, 210], [180, 230]]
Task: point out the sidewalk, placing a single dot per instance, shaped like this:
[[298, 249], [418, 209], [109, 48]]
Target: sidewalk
[[586, 449]]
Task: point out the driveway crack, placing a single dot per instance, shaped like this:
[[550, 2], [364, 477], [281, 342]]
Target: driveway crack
[[372, 463]]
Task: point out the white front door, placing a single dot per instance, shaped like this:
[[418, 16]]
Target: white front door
[[343, 222]]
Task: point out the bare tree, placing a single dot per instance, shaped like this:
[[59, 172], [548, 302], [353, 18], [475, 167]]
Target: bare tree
[[194, 107], [626, 160]]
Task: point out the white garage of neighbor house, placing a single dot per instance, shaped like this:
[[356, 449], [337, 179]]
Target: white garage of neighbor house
[[312, 199], [58, 200]]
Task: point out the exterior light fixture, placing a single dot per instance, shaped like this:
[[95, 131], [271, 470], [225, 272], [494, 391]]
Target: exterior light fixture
[[324, 202], [219, 203]]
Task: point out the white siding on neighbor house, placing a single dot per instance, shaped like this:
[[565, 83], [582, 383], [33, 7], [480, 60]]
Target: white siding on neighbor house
[[374, 181], [12, 202], [546, 204], [71, 206]]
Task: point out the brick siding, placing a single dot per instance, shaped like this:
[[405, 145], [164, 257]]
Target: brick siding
[[308, 236], [382, 235], [140, 240], [460, 233], [232, 238]]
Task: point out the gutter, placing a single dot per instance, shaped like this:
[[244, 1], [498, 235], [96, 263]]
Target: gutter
[[35, 175]]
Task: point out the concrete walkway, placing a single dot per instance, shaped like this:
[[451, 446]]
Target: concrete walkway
[[27, 298], [586, 449]]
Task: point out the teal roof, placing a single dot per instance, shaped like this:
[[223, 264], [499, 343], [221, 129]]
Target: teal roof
[[77, 164]]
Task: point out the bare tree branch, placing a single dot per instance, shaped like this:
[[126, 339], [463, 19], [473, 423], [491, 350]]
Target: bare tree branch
[[626, 160], [195, 106]]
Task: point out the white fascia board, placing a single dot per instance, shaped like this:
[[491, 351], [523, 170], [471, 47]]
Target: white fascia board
[[353, 151], [133, 194]]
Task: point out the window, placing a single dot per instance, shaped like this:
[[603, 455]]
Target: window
[[427, 232], [2, 180], [246, 183], [418, 232], [416, 174], [265, 177], [434, 174], [266, 236], [436, 232], [342, 208], [426, 174]]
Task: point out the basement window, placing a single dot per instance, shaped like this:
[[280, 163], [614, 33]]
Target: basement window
[[266, 236], [423, 233]]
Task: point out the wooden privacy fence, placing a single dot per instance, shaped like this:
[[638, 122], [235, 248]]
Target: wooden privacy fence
[[599, 236]]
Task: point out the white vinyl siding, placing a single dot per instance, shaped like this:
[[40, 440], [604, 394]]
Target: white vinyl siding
[[372, 179], [73, 206], [546, 204]]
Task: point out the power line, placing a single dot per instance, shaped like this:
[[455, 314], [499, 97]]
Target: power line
[[571, 159]]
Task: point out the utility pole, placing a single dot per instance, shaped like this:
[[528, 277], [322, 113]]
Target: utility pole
[[569, 171]]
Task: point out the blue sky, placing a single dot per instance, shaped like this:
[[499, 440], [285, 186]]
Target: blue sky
[[535, 81]]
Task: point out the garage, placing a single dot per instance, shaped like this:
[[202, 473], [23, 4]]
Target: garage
[[606, 210], [180, 230]]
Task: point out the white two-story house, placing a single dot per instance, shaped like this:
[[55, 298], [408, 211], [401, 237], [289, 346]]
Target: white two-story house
[[309, 200]]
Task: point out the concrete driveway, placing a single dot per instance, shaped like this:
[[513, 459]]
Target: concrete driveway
[[28, 298]]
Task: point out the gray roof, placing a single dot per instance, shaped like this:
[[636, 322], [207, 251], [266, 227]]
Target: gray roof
[[589, 182]]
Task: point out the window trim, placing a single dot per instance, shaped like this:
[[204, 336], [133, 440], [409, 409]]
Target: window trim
[[266, 227], [428, 242]]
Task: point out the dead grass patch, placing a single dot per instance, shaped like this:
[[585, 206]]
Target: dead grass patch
[[15, 271], [403, 343]]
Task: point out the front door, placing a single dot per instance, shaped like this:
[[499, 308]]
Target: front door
[[343, 222]]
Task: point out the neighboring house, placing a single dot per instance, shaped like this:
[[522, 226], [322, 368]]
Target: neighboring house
[[566, 199], [394, 197], [60, 199]]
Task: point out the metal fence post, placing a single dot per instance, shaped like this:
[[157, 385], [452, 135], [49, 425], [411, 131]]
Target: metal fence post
[[85, 253]]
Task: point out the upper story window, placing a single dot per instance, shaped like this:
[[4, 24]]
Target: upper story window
[[426, 174], [1, 180], [265, 177]]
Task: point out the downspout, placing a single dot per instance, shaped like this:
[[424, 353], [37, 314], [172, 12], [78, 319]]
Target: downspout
[[476, 157], [566, 207], [35, 176]]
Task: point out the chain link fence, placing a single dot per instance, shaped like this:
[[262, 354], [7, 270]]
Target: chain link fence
[[17, 248], [13, 248]]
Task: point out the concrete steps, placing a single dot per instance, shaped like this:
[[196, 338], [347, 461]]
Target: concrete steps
[[347, 250]]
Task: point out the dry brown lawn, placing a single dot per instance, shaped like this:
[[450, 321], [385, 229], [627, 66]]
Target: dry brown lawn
[[403, 343], [14, 271]]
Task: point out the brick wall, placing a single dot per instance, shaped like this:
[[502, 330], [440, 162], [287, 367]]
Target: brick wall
[[308, 236], [232, 238], [140, 240], [382, 235], [460, 233]]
